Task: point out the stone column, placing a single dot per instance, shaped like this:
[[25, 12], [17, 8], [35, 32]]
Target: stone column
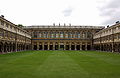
[[43, 46], [48, 46], [3, 48], [70, 46], [15, 47], [53, 46], [85, 46], [37, 45], [75, 46], [59, 46], [80, 46], [29, 47], [20, 47], [117, 47], [25, 48], [32, 47], [64, 46], [75, 33], [9, 47], [100, 47], [103, 47]]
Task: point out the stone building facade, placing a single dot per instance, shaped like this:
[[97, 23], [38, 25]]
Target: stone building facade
[[62, 37], [108, 39], [58, 37]]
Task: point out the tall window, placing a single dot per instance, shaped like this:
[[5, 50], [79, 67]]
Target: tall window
[[1, 33], [61, 34], [40, 35], [12, 35], [51, 35], [7, 25], [119, 36], [83, 35], [115, 36], [35, 34], [69, 34], [66, 35], [78, 35], [2, 23], [73, 35], [11, 27], [45, 34], [89, 34], [6, 33], [57, 35]]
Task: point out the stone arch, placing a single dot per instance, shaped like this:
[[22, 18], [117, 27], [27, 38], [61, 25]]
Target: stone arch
[[67, 47], [73, 46], [56, 46], [119, 48], [13, 47], [23, 46], [110, 47], [27, 46], [8, 47], [5, 47], [51, 46], [88, 47], [10, 44], [83, 46], [40, 46], [45, 46], [116, 47], [18, 47], [1, 47], [78, 46]]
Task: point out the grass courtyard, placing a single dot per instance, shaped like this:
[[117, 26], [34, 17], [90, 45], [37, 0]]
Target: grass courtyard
[[60, 64]]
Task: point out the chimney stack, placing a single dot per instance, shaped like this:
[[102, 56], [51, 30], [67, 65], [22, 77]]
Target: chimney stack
[[69, 24], [2, 16], [64, 24], [107, 26], [59, 24], [53, 24], [117, 22]]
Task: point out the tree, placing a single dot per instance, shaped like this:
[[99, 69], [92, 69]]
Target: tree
[[20, 25]]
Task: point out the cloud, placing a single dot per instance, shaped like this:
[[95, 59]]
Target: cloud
[[68, 11], [110, 11]]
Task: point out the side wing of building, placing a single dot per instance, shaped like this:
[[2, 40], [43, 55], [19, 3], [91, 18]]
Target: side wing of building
[[12, 37], [108, 39]]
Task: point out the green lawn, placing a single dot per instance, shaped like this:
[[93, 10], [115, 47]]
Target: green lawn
[[60, 64]]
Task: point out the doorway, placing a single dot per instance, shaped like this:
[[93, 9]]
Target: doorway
[[56, 47], [61, 47]]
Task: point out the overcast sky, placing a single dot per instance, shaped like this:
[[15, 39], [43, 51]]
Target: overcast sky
[[47, 12]]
